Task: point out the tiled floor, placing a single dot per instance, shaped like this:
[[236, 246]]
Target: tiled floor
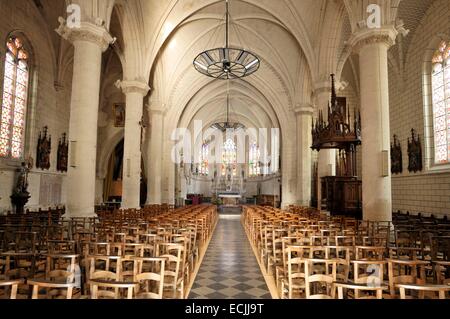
[[229, 269]]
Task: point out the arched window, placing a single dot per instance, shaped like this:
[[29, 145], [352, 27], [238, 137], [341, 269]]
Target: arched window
[[204, 164], [14, 102], [254, 160], [441, 103], [229, 157]]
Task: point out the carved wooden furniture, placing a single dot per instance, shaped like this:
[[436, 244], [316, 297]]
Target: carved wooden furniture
[[341, 194], [414, 153], [63, 154], [44, 147], [396, 157]]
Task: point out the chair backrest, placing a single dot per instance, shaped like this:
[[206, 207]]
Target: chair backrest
[[294, 268], [442, 272], [149, 274], [63, 268], [421, 290], [405, 272], [369, 252], [111, 290], [8, 288], [317, 276], [103, 267], [370, 272]]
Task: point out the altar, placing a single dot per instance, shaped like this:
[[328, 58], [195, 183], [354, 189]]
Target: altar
[[230, 199]]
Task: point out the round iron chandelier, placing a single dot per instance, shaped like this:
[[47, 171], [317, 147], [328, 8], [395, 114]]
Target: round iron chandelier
[[227, 63], [228, 125]]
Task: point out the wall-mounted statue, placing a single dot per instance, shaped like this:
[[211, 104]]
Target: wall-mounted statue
[[63, 153], [396, 157], [414, 153], [22, 180], [44, 147]]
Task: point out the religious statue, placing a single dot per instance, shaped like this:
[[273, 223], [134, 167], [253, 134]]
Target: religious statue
[[20, 194], [62, 158], [22, 180], [414, 153], [44, 147], [396, 157]]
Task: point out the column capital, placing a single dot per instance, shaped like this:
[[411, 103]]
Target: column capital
[[90, 32], [364, 37], [133, 86], [304, 109]]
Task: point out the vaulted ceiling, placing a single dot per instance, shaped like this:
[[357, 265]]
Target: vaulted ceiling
[[299, 42]]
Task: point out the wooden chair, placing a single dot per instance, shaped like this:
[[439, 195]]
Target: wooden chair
[[62, 272], [342, 255], [318, 283], [405, 272], [102, 268], [359, 290], [61, 246], [369, 252], [8, 289], [51, 286], [173, 275], [423, 290], [101, 289], [442, 272], [149, 274], [294, 279], [368, 272], [280, 270]]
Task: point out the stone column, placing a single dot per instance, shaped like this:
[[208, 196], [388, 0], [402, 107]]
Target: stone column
[[304, 153], [327, 158], [376, 180], [135, 92], [155, 155], [89, 41]]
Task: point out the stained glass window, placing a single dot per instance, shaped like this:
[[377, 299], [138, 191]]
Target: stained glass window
[[14, 101], [203, 168], [254, 160], [441, 102], [229, 157]]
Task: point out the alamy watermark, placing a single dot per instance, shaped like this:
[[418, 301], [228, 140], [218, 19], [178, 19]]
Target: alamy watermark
[[374, 19], [73, 16]]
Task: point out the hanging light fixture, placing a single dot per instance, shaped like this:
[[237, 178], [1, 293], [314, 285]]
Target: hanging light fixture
[[227, 63], [228, 125]]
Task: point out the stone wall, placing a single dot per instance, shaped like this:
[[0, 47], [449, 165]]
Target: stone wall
[[427, 191]]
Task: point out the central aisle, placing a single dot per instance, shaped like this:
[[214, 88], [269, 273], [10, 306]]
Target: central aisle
[[229, 269]]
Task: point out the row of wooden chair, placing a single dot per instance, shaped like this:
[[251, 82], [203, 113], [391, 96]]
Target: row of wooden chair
[[109, 255], [340, 251]]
